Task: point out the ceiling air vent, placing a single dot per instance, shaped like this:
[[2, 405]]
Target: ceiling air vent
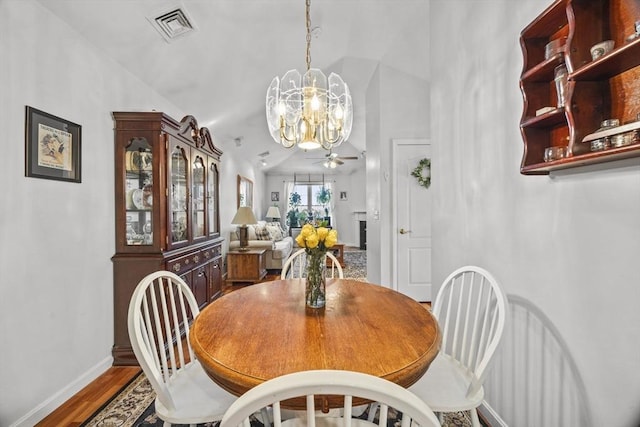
[[173, 23]]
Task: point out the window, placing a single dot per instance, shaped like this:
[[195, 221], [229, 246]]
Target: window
[[309, 200]]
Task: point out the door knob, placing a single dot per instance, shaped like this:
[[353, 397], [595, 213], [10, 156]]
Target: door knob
[[403, 231]]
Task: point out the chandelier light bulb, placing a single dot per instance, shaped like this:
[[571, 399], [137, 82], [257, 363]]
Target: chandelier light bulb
[[339, 113], [315, 103]]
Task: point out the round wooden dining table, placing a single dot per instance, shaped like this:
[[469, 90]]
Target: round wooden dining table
[[264, 331]]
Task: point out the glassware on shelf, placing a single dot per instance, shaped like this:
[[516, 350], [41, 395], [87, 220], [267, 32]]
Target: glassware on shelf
[[554, 47], [604, 142], [623, 139], [600, 144], [561, 79], [554, 153], [636, 34]]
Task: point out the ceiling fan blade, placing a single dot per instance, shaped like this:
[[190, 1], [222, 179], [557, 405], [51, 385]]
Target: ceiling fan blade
[[347, 158], [338, 161]]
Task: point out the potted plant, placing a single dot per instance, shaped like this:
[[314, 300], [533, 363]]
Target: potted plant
[[324, 198], [292, 214], [303, 216]]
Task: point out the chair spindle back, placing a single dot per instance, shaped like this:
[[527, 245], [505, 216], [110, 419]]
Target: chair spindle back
[[471, 310]]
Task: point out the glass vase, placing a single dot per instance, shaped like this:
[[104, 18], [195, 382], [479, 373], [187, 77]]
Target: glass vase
[[315, 291]]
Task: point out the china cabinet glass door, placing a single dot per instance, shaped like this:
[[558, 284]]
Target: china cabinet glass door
[[138, 192], [179, 195], [198, 198], [212, 202]]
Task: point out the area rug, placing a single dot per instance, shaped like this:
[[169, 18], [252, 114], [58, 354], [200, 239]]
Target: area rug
[[127, 407], [133, 407], [355, 265]]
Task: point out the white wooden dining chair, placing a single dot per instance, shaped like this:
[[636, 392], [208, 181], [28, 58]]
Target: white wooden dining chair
[[296, 264], [160, 313], [312, 385], [471, 311]]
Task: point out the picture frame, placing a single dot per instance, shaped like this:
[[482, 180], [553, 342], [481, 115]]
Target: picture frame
[[52, 147], [343, 196], [275, 196]]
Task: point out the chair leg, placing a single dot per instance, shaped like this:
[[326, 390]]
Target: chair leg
[[266, 420], [475, 421], [373, 408]]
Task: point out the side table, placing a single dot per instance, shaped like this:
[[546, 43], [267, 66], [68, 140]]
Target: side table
[[338, 252], [246, 266]]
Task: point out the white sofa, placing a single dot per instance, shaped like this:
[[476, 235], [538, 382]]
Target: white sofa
[[269, 236]]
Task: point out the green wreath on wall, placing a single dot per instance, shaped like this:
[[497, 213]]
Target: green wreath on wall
[[425, 181]]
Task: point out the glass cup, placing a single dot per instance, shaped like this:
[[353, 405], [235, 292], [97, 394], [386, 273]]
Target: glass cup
[[554, 153], [560, 76]]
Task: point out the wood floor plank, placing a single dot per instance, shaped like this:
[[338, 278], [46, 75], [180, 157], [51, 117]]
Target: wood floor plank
[[81, 406]]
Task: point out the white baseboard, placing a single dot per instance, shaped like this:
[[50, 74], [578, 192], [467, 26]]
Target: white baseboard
[[49, 405], [491, 416]]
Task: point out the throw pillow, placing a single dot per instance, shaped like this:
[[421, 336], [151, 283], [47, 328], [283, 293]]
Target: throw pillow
[[275, 231], [262, 233]]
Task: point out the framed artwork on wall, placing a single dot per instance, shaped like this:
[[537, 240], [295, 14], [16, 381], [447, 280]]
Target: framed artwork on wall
[[343, 196], [275, 196], [52, 147]]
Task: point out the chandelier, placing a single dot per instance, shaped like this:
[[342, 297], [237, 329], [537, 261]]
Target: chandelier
[[309, 111]]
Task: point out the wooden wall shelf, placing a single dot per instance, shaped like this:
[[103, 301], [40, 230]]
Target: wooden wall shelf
[[597, 90]]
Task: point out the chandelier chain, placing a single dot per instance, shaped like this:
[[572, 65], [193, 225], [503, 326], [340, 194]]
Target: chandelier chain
[[308, 24]]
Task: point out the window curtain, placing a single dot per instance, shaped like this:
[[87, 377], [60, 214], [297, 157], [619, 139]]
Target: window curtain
[[288, 189], [332, 205]]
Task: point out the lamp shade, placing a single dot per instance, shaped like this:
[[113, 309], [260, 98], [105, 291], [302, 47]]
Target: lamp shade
[[273, 212], [244, 216]]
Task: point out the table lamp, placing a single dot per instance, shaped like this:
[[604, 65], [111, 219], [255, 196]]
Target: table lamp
[[274, 213], [243, 217]]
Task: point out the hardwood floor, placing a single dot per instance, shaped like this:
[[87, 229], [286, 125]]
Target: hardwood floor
[[80, 407]]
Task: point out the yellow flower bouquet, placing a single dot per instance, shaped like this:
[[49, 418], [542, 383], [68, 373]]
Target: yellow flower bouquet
[[316, 241]]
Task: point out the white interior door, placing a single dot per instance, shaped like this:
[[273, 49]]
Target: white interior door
[[412, 221]]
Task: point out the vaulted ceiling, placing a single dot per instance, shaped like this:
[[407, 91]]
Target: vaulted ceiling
[[220, 72]]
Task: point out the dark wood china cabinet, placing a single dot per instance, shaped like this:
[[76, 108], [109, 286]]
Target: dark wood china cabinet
[[598, 119], [167, 210]]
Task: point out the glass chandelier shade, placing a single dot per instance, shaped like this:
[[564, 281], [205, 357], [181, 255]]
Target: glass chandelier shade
[[309, 110]]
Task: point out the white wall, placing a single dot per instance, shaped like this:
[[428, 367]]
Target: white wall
[[56, 282], [234, 163], [56, 286], [397, 107], [569, 243]]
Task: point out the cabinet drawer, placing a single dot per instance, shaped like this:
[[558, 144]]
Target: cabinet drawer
[[185, 263], [211, 253]]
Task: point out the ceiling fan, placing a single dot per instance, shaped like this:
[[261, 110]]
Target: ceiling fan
[[331, 160]]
